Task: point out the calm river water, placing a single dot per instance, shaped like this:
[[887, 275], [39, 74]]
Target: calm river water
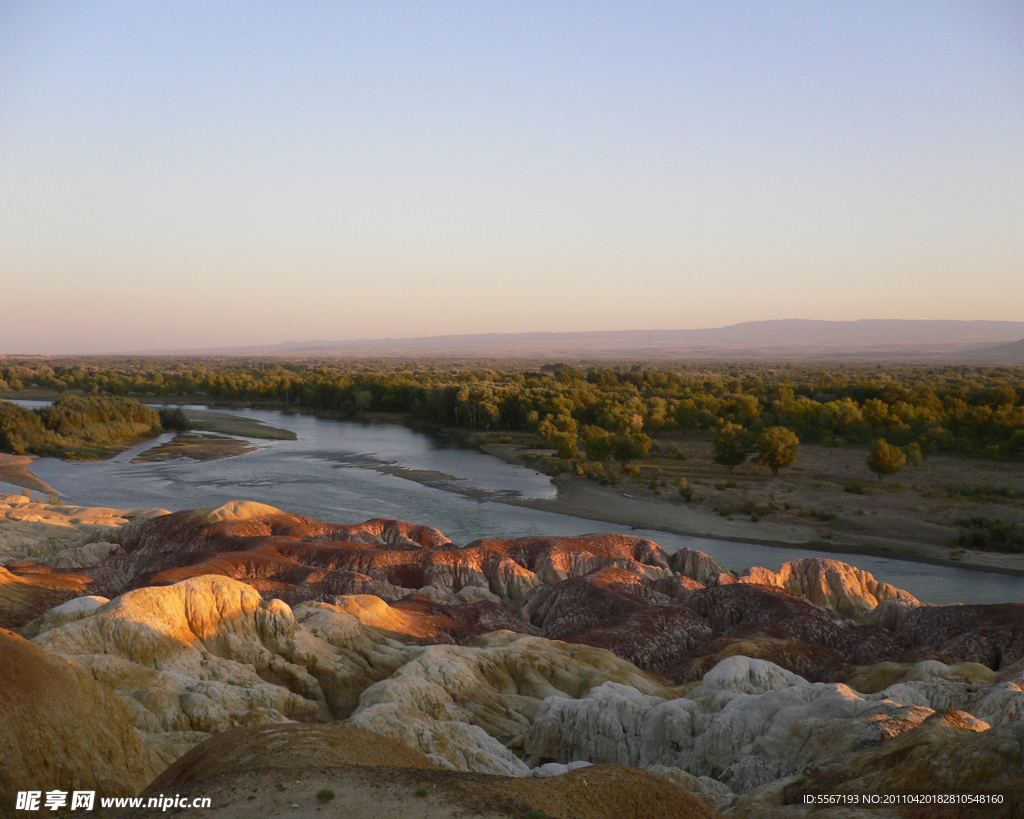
[[328, 473]]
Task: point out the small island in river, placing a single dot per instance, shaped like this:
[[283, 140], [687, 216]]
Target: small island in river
[[77, 427], [198, 446]]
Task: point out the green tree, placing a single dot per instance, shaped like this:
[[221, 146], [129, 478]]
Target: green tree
[[913, 453], [627, 447], [732, 445], [174, 419], [876, 412], [885, 458], [560, 433], [777, 448], [565, 444], [597, 443]]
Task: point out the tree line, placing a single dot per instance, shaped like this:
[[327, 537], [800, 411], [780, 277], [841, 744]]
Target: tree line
[[605, 411], [74, 426]]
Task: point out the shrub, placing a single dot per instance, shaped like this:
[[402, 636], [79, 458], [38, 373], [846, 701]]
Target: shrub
[[673, 451], [914, 454], [326, 795], [174, 419], [885, 458], [820, 514], [985, 493], [986, 534], [854, 488]]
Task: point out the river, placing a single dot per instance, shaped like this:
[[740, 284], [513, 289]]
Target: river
[[347, 472]]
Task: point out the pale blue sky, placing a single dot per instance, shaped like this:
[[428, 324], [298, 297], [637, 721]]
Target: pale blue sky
[[196, 174]]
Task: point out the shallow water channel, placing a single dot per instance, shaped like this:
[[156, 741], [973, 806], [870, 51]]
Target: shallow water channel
[[347, 472]]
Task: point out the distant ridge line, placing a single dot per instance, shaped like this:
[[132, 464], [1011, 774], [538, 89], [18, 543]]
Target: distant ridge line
[[869, 339]]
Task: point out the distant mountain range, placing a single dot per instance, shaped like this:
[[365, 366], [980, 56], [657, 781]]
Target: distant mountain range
[[793, 339], [1012, 353]]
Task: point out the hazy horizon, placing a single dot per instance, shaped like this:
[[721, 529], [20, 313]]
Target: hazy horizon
[[920, 339], [188, 176]]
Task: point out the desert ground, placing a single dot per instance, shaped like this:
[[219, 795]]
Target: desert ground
[[828, 501]]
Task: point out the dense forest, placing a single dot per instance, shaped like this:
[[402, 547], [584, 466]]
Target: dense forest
[[970, 410], [75, 426]]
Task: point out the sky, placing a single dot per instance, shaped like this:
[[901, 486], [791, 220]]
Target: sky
[[201, 174]]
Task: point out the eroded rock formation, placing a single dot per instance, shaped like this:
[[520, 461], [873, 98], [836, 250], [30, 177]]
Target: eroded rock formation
[[510, 654], [60, 729], [347, 771], [830, 584]]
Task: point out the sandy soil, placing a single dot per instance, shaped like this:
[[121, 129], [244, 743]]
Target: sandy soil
[[14, 469], [601, 792], [198, 446], [338, 771], [228, 424], [911, 515]]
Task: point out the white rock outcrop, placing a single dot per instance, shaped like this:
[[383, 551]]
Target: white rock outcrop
[[451, 743], [747, 724], [209, 654], [32, 530], [495, 685]]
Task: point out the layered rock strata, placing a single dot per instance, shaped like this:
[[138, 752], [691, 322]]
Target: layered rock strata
[[525, 657]]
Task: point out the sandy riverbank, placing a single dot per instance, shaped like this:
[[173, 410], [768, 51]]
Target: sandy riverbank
[[14, 469], [892, 526], [810, 506], [197, 446]]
